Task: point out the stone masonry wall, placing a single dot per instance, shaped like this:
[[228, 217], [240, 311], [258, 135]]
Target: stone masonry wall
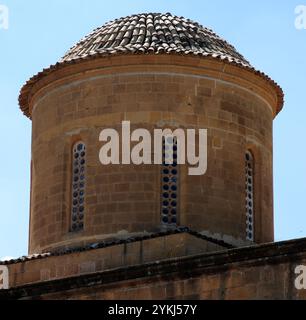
[[127, 198]]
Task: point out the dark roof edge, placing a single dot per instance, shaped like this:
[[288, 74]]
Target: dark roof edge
[[111, 243]]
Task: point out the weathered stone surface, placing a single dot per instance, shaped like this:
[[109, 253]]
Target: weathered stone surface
[[260, 272]]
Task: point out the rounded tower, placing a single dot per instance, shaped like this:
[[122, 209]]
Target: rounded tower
[[156, 71]]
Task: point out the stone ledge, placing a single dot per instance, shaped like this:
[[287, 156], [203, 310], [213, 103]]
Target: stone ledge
[[178, 268]]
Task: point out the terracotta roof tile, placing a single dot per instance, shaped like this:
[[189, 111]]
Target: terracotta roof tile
[[156, 31]]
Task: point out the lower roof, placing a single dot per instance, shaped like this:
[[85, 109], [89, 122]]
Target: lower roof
[[111, 243], [184, 267]]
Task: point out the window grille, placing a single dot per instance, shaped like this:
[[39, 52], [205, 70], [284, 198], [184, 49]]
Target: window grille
[[78, 187], [249, 191], [170, 182]]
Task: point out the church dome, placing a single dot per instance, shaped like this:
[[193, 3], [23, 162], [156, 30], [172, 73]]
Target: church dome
[[154, 33], [149, 33], [156, 71]]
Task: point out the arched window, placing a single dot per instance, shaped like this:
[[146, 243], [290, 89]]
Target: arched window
[[170, 183], [78, 187], [249, 192]]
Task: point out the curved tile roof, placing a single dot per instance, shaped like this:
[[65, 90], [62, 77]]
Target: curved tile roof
[[149, 33], [154, 33]]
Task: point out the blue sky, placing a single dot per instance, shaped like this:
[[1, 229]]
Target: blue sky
[[40, 32]]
